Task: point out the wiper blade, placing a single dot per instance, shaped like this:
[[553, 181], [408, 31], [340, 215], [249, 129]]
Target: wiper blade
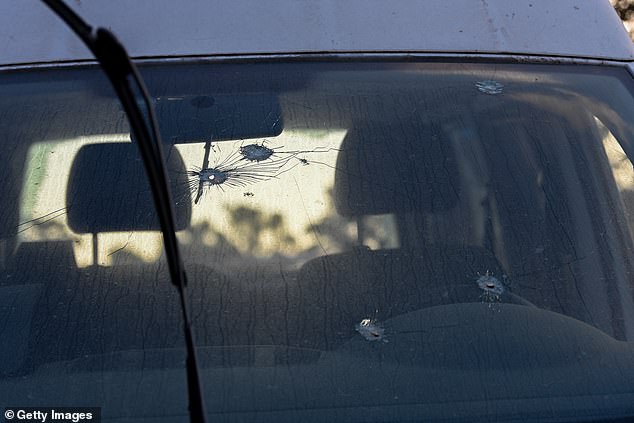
[[120, 70]]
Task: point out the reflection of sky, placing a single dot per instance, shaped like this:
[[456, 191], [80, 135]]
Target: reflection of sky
[[298, 197]]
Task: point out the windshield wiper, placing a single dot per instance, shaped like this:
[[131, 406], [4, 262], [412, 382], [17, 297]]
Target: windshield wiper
[[123, 75]]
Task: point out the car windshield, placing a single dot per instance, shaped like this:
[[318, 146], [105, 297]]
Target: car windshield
[[364, 241]]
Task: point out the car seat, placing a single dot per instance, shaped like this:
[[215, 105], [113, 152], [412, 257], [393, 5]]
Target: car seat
[[97, 310], [402, 169]]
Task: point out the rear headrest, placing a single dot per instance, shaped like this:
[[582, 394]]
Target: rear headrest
[[108, 190], [393, 169]]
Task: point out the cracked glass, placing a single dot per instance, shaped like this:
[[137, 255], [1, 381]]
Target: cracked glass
[[475, 219]]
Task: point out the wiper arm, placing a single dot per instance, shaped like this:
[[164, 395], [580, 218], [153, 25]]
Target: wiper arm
[[120, 70]]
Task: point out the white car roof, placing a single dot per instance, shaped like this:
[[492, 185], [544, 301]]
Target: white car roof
[[31, 33]]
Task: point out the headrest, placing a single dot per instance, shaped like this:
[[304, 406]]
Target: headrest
[[395, 168], [108, 190]]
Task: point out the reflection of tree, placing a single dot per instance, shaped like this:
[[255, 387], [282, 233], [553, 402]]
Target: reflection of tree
[[253, 236], [205, 244], [258, 234], [625, 10], [204, 234], [332, 231], [257, 229], [339, 233]]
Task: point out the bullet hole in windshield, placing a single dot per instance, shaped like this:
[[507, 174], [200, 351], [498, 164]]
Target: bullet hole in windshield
[[260, 152], [489, 86], [492, 288], [371, 330], [256, 152], [211, 176], [228, 174], [250, 164]]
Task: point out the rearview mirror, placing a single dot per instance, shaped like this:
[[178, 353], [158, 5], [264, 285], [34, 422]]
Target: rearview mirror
[[186, 119]]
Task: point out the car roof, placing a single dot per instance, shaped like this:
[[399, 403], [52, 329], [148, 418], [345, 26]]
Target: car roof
[[161, 28]]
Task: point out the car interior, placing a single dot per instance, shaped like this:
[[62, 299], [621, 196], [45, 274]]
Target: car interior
[[494, 187]]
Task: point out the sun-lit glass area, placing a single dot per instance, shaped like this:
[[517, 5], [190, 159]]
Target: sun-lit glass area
[[363, 241], [263, 224]]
